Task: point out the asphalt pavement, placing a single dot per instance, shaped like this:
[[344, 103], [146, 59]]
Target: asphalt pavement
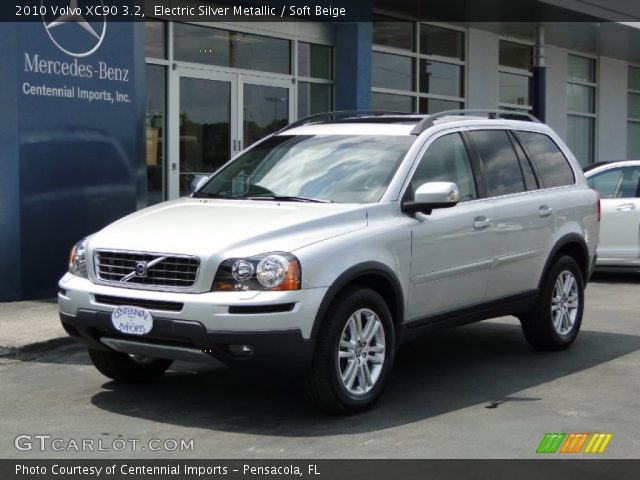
[[477, 391]]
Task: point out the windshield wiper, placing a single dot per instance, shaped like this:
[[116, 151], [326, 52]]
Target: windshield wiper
[[285, 198]]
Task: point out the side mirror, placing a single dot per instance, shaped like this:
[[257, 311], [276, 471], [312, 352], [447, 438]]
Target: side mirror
[[197, 182], [432, 195]]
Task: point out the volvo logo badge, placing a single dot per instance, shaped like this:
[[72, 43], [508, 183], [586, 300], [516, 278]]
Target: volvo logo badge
[[59, 28], [141, 269]]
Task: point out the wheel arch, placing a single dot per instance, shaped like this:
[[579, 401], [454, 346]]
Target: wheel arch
[[574, 246], [374, 275]]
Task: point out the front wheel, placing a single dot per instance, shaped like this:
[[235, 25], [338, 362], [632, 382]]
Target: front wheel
[[354, 353], [128, 368], [554, 323]]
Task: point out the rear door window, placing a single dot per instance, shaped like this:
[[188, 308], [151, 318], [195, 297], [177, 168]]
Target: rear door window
[[552, 166], [500, 165]]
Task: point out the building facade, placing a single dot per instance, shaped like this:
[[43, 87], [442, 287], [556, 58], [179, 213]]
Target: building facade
[[91, 132]]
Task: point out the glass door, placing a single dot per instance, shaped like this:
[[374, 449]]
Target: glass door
[[266, 106], [206, 126], [216, 116]]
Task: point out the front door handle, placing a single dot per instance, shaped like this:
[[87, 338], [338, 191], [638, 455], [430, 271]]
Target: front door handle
[[626, 207], [545, 210], [480, 223]]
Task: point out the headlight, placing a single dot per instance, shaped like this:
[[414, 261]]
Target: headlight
[[271, 271], [78, 259]]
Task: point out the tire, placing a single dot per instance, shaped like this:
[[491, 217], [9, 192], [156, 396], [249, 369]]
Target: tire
[[123, 368], [364, 364], [563, 292]]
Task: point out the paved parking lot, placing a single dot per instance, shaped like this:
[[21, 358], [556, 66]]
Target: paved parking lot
[[472, 392]]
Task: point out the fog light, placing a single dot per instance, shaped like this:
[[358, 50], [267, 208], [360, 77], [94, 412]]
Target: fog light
[[241, 350]]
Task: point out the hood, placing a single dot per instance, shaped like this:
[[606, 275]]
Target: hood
[[238, 227]]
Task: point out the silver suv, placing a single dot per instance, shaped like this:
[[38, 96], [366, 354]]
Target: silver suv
[[326, 245]]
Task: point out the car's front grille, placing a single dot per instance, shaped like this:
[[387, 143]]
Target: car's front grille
[[147, 269], [136, 302]]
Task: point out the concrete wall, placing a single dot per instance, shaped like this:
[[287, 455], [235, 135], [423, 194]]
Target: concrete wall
[[557, 89], [482, 69], [611, 130]]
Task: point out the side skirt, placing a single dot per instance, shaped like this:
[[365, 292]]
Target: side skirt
[[511, 305]]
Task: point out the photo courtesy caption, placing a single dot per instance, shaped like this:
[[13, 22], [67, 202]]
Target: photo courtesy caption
[[125, 469]]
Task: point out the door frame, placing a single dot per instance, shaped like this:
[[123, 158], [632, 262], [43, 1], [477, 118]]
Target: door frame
[[263, 81], [237, 81]]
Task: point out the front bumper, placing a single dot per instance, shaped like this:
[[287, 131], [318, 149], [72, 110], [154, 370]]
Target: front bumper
[[238, 312], [189, 340], [275, 326]]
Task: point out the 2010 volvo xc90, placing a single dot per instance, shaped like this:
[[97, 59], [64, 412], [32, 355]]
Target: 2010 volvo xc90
[[326, 245]]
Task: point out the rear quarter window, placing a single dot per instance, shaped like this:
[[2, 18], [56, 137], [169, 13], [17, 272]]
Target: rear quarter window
[[552, 166]]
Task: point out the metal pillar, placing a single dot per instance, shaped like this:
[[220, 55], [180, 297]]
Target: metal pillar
[[539, 86]]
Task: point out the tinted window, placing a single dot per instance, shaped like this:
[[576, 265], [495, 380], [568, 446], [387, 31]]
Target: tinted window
[[501, 169], [213, 46], [552, 165], [391, 102], [441, 41], [616, 183], [530, 180], [391, 71], [515, 55], [392, 32], [440, 78], [314, 60], [445, 160]]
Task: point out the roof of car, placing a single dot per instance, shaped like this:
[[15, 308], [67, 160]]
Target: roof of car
[[398, 123], [600, 166]]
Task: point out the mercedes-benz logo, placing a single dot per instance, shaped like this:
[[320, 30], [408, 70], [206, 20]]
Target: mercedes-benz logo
[[95, 30], [141, 269]]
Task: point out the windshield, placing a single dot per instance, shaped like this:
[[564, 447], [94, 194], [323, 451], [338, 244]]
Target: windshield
[[333, 168]]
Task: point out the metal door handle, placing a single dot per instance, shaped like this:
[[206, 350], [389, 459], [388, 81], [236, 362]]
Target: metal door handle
[[624, 207], [545, 210], [482, 222]]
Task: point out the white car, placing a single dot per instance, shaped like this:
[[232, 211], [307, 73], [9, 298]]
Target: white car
[[326, 245], [619, 186]]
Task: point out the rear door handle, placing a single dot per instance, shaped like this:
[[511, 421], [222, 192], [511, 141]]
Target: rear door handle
[[625, 207], [545, 210], [480, 223]]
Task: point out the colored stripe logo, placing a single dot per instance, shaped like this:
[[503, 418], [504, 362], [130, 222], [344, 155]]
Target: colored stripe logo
[[574, 442]]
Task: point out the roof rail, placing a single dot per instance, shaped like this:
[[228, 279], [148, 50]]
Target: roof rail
[[347, 115], [491, 114]]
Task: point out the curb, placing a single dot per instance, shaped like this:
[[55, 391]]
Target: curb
[[35, 348]]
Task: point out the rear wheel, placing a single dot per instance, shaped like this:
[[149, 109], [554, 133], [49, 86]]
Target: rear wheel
[[354, 353], [125, 368], [554, 323]]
